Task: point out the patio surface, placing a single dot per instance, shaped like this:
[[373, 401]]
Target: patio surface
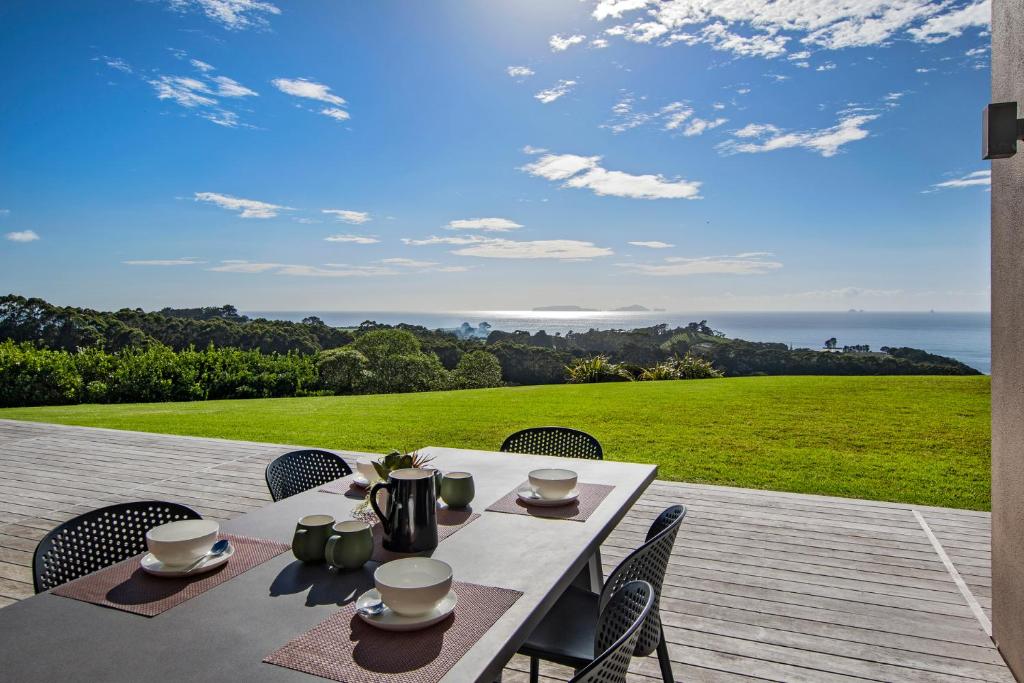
[[762, 585]]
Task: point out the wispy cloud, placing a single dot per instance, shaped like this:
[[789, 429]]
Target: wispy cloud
[[519, 71], [311, 90], [434, 239], [349, 216], [586, 173], [485, 224], [549, 95], [22, 236], [247, 208], [754, 138], [168, 262], [573, 250], [354, 239], [751, 263], [975, 179], [408, 263], [764, 27], [202, 66], [117, 64], [653, 244], [231, 14], [560, 43], [203, 93]]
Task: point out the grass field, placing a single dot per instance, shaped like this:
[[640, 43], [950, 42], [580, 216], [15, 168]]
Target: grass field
[[918, 440]]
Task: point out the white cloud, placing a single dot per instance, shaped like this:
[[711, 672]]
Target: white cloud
[[164, 262], [825, 141], [485, 224], [298, 270], [699, 126], [228, 87], [560, 43], [247, 208], [535, 249], [349, 216], [551, 94], [118, 64], [335, 113], [975, 179], [231, 14], [653, 244], [942, 27], [977, 52], [599, 43], [22, 236], [311, 90], [519, 71], [827, 66], [188, 92], [227, 119], [408, 263], [763, 27], [798, 56], [201, 65], [434, 239], [752, 263], [354, 239], [530, 149], [586, 173], [923, 70]]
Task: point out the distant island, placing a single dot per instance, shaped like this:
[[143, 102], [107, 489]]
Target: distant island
[[634, 308]]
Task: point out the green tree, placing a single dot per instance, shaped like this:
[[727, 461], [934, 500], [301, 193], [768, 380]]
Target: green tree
[[477, 370], [343, 371]]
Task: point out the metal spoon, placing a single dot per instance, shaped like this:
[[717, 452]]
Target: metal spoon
[[218, 549], [371, 609]]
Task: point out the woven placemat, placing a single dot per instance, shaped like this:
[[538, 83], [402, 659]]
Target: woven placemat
[[345, 648], [448, 522], [345, 486], [589, 499], [125, 586]]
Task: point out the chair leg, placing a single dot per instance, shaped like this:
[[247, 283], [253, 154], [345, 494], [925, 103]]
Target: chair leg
[[534, 670], [664, 661]]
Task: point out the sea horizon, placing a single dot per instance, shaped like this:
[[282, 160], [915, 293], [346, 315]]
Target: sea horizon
[[964, 335]]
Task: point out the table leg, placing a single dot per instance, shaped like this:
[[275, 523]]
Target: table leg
[[596, 572]]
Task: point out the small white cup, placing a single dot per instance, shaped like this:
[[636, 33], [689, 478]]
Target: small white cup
[[178, 543], [413, 585], [553, 484], [365, 467]]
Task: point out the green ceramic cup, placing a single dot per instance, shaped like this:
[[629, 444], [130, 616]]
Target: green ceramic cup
[[457, 489], [350, 545], [311, 534]]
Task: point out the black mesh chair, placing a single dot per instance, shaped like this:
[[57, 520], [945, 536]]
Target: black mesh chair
[[99, 539], [618, 629], [300, 471], [561, 441], [566, 633]]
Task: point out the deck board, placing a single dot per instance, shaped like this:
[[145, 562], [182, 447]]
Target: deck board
[[762, 585]]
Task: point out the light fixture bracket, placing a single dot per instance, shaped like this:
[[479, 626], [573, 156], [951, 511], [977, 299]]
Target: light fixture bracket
[[1000, 130]]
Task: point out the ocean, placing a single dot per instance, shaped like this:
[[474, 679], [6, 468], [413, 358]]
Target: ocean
[[964, 336]]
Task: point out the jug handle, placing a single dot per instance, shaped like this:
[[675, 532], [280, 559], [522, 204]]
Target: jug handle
[[373, 503]]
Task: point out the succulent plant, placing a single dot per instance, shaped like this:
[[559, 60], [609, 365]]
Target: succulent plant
[[396, 460]]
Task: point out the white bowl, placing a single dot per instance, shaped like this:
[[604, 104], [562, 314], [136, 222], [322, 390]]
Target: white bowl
[[364, 466], [414, 585], [179, 543], [553, 484]]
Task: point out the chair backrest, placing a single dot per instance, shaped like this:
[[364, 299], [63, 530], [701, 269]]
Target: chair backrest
[[99, 539], [648, 563], [618, 628], [300, 471], [562, 441]]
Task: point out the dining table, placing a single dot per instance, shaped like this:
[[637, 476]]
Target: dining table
[[225, 633]]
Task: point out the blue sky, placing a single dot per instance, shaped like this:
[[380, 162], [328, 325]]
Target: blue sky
[[684, 154]]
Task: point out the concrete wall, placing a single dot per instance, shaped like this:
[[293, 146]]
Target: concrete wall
[[1008, 348]]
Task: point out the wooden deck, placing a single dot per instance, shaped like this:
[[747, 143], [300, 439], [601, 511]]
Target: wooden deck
[[762, 585]]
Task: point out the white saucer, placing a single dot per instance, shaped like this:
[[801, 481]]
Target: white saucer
[[531, 497], [153, 566], [389, 621]]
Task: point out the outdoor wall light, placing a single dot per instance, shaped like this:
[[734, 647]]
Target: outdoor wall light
[[1000, 130]]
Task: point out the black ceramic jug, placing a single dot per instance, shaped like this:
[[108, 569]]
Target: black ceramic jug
[[410, 520]]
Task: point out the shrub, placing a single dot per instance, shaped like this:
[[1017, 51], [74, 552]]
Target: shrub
[[33, 377], [692, 367], [595, 369], [343, 371], [477, 370], [661, 371]]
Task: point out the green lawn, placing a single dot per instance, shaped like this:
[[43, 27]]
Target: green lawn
[[909, 439]]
